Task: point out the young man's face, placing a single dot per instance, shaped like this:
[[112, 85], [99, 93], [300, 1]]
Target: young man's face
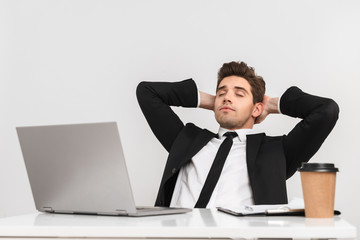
[[234, 107]]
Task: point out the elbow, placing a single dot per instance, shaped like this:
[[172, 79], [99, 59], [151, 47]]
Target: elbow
[[141, 90], [332, 111]]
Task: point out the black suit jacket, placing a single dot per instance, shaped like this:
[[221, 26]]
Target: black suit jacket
[[270, 160]]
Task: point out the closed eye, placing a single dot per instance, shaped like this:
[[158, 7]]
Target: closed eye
[[221, 93]]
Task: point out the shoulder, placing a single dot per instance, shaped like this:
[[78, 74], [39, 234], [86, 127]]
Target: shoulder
[[191, 138], [273, 138], [191, 130], [262, 138]]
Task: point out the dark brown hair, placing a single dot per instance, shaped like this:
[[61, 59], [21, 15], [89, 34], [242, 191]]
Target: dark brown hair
[[241, 69]]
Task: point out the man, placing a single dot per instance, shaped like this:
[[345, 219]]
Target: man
[[254, 167]]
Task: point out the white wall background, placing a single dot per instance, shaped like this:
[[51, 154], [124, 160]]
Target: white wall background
[[80, 61]]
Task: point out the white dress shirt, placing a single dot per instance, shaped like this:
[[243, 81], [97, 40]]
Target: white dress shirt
[[233, 188]]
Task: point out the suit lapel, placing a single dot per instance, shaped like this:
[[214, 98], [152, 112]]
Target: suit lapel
[[183, 154], [199, 142], [253, 143]]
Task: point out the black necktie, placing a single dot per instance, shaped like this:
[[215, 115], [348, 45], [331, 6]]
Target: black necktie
[[215, 170]]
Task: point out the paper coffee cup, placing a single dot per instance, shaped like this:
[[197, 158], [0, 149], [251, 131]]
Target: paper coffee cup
[[318, 184]]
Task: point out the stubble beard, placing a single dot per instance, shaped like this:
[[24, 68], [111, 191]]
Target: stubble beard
[[231, 123]]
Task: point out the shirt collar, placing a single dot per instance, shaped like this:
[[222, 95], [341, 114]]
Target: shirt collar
[[240, 132]]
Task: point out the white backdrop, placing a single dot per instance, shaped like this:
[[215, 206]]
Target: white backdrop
[[80, 61]]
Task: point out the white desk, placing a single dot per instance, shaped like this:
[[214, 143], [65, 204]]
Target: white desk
[[196, 224]]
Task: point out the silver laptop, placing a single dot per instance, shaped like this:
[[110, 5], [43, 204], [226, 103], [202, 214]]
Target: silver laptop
[[80, 168]]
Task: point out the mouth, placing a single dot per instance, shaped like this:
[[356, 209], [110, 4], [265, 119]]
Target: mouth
[[226, 109]]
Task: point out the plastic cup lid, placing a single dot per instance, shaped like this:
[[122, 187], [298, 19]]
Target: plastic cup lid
[[317, 167]]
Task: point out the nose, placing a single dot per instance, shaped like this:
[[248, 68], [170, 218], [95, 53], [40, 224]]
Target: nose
[[227, 98]]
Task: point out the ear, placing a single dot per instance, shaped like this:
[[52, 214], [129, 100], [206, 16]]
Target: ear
[[258, 109]]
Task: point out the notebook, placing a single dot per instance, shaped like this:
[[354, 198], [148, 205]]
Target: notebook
[[80, 169], [295, 207]]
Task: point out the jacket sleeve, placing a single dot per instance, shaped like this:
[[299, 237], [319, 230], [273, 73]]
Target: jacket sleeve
[[155, 100], [318, 115]]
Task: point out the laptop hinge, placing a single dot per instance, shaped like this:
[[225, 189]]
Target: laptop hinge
[[48, 209], [107, 214], [121, 211]]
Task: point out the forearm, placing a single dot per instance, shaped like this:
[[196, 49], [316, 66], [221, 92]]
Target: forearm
[[272, 105], [296, 103], [155, 99], [206, 101]]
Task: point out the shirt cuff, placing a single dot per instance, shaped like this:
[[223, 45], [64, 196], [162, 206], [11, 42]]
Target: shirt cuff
[[198, 103], [279, 108], [279, 105]]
